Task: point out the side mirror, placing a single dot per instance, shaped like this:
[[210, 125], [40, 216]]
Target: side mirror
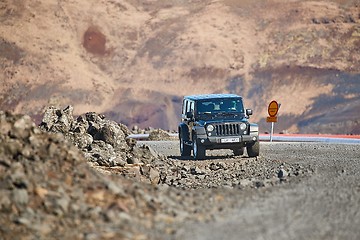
[[249, 112], [189, 115]]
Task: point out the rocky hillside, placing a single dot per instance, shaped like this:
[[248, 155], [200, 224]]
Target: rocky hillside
[[134, 60]]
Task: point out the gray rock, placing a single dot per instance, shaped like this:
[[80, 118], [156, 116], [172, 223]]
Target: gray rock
[[20, 126], [117, 190], [245, 182], [82, 140], [214, 167], [5, 198], [196, 171], [93, 117], [259, 184], [118, 161], [20, 196], [63, 203], [222, 165], [50, 118], [186, 168], [23, 221], [154, 176], [282, 174]]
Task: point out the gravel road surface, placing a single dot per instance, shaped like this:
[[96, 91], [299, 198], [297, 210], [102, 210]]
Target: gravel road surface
[[319, 197]]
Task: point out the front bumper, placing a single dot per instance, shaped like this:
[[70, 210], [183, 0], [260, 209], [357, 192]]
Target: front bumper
[[223, 142]]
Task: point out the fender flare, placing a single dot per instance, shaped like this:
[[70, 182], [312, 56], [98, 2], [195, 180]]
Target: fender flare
[[184, 132]]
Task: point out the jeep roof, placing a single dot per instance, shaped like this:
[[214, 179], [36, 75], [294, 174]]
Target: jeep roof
[[211, 96]]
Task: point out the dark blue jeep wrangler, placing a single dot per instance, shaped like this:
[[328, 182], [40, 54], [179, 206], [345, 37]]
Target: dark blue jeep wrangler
[[217, 121]]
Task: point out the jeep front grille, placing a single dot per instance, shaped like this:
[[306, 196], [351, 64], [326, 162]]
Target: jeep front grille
[[228, 129]]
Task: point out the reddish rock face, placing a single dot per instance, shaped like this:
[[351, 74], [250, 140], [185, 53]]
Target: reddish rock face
[[94, 41]]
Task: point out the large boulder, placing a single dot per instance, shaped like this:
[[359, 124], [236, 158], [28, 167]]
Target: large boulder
[[104, 142], [101, 139], [57, 120]]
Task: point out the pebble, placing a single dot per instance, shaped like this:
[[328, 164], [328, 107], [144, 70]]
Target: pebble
[[20, 196], [282, 174]]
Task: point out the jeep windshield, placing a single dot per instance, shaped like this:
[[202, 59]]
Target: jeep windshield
[[222, 107]]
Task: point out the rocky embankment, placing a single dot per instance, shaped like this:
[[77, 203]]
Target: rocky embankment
[[49, 188], [82, 178], [105, 143]]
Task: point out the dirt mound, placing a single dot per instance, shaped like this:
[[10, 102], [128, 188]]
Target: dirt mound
[[104, 143], [48, 189], [160, 135]]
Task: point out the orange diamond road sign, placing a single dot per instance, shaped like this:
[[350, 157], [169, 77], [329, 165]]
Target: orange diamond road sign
[[273, 108], [271, 119]]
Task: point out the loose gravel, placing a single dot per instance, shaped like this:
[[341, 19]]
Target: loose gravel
[[319, 198]]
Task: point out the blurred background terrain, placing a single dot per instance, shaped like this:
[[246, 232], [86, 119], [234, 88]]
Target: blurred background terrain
[[134, 60]]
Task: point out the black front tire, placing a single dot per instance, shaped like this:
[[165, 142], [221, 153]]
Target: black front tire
[[185, 150], [253, 150], [198, 150]]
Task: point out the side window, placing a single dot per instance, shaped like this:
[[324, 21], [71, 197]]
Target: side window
[[191, 107], [188, 106], [185, 106]]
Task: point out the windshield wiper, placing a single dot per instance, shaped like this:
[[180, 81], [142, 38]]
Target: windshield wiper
[[228, 113]]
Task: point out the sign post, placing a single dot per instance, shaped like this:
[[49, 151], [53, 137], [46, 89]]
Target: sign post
[[272, 111]]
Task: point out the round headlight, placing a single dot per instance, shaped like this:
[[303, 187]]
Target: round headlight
[[242, 126], [210, 128]]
